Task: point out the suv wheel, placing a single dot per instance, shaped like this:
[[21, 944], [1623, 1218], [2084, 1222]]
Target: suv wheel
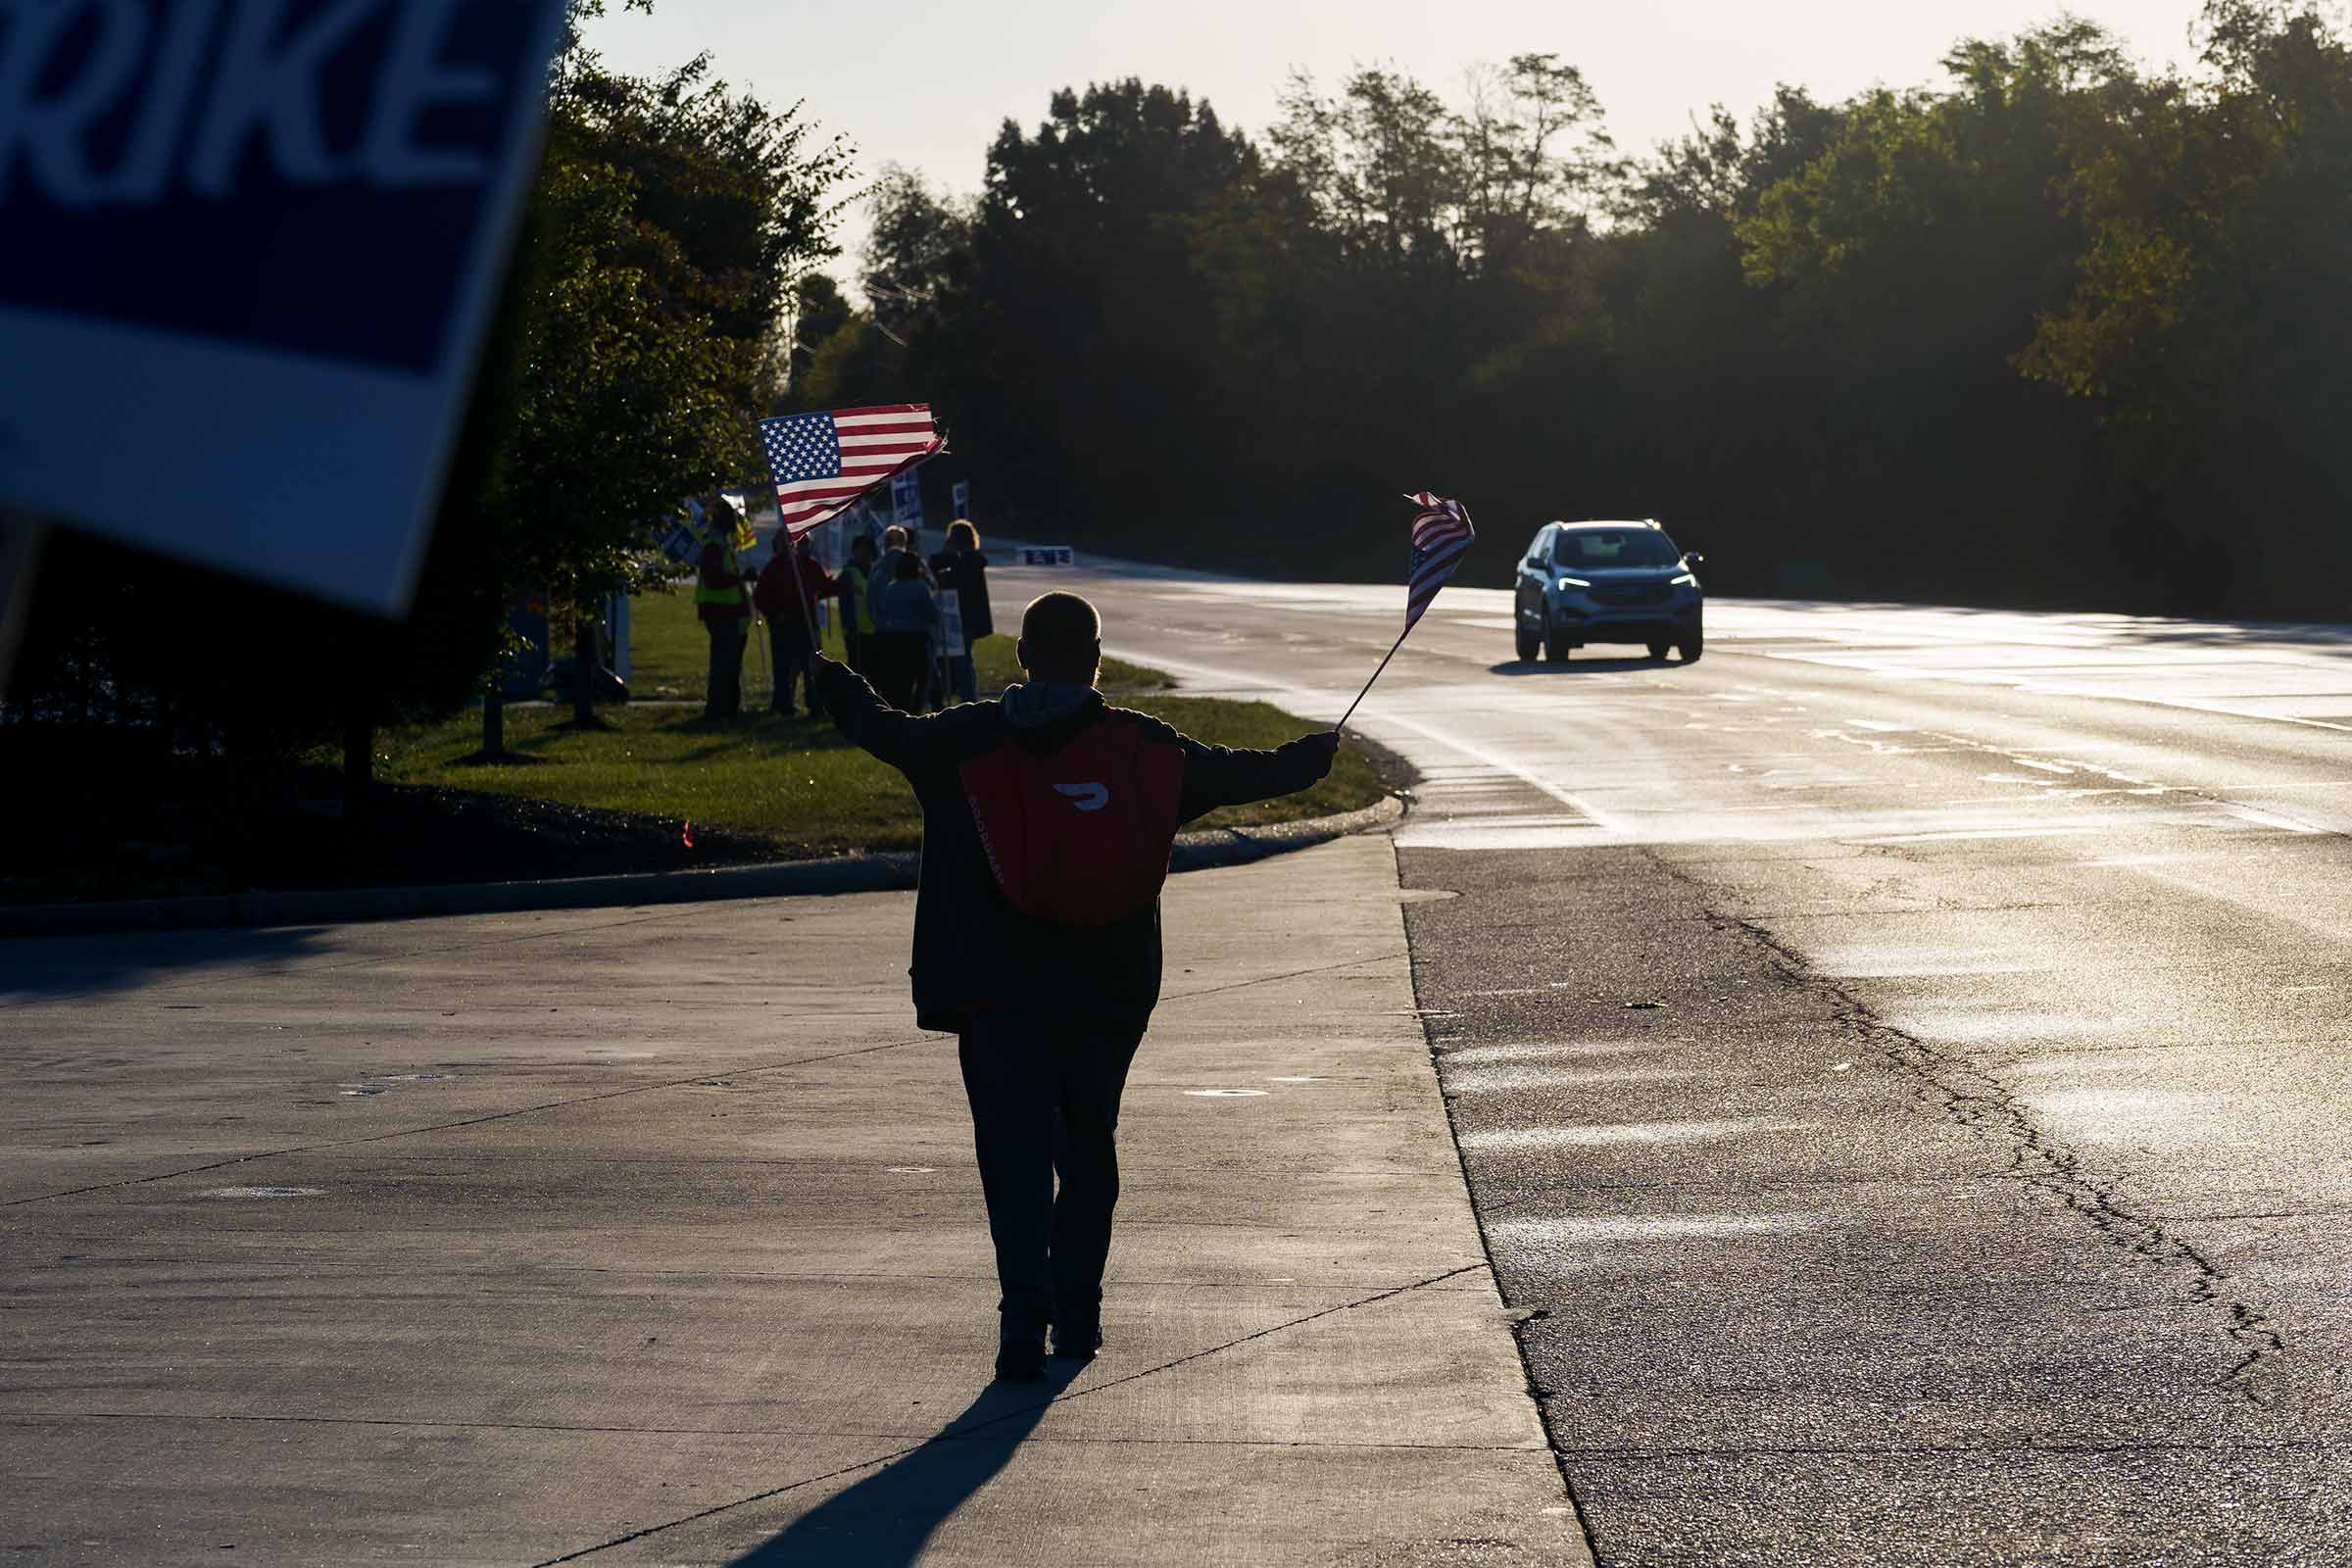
[[1692, 646], [1659, 650], [1555, 646], [1528, 640]]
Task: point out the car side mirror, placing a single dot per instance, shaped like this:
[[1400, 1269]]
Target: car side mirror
[[1691, 558]]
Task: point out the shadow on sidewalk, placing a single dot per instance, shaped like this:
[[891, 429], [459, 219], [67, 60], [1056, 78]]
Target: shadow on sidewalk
[[885, 1520], [37, 966]]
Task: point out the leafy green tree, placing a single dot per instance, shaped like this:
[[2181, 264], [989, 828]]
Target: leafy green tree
[[918, 245], [1072, 348], [818, 311], [2209, 324], [671, 215]]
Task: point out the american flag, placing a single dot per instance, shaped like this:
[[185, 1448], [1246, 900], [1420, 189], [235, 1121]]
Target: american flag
[[822, 462], [1441, 531]]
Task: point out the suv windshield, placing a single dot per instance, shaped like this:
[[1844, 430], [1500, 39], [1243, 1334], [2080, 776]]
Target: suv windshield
[[1613, 547]]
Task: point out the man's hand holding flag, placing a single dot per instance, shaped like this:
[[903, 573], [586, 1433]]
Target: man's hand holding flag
[[1442, 536]]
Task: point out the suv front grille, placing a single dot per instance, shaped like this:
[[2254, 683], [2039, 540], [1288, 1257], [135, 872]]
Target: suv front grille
[[1629, 593]]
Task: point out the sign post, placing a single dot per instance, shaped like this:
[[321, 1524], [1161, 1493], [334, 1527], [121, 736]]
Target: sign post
[[251, 258]]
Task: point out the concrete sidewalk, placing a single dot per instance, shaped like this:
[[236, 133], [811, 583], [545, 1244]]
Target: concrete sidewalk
[[653, 1235]]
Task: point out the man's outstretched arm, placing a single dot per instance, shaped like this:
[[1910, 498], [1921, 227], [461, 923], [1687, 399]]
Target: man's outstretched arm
[[1220, 775], [869, 721]]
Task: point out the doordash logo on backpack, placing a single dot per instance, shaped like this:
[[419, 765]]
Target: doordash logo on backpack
[[1086, 797]]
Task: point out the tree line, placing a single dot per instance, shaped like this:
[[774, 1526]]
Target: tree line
[[2055, 330], [2052, 332]]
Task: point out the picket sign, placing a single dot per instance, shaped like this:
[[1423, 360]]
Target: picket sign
[[1046, 555], [951, 626], [251, 253]]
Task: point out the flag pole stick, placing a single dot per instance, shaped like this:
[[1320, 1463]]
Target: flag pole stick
[[1384, 664], [799, 586]]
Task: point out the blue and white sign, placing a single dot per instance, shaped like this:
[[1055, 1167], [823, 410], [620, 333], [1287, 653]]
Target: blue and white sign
[[1044, 556], [252, 246], [683, 543], [950, 627], [961, 493], [906, 497]]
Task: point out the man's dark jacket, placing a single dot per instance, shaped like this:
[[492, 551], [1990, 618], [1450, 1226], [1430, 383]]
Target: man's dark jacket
[[973, 949]]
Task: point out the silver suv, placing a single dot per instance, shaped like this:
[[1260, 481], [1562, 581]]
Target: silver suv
[[1608, 582]]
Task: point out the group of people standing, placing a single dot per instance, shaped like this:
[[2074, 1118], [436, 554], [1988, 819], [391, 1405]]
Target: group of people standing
[[892, 624]]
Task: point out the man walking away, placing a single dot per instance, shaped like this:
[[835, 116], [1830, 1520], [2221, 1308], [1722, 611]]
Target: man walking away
[[725, 611], [962, 570], [790, 586], [1048, 818]]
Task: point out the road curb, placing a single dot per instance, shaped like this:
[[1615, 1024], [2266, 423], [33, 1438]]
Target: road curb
[[850, 873]]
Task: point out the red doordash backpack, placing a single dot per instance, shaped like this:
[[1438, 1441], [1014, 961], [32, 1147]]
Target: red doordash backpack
[[1081, 836]]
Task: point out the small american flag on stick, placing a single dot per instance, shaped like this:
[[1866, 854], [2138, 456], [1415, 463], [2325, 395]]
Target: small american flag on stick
[[822, 462], [1441, 531]]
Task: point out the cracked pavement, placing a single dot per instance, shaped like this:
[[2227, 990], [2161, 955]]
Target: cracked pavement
[[1899, 1062]]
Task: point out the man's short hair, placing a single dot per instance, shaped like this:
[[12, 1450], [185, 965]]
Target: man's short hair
[[1062, 631], [895, 536]]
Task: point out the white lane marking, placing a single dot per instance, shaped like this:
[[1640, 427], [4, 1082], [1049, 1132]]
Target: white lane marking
[[2262, 819], [1980, 833], [1586, 1136], [1474, 1054], [1879, 661], [1306, 698], [1521, 1234], [1501, 1080], [1499, 836]]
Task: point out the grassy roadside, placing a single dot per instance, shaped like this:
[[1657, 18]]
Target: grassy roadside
[[573, 804], [585, 804], [791, 786]]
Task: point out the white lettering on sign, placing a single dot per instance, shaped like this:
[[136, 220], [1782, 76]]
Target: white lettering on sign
[[269, 83]]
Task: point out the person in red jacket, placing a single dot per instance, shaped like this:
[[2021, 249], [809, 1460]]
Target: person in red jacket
[[1048, 815], [725, 606], [788, 590]]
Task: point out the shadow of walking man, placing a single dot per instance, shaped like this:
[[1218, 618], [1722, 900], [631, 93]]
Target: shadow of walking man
[[885, 1520]]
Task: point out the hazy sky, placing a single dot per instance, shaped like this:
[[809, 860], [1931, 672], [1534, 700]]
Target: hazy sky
[[925, 82]]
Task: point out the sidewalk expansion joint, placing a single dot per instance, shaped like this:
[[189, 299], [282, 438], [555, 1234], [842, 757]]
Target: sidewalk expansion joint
[[1291, 974], [452, 1126], [1952, 1086], [960, 1434]]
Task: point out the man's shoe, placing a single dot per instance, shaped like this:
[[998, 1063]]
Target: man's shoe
[[1080, 1340], [1021, 1359]]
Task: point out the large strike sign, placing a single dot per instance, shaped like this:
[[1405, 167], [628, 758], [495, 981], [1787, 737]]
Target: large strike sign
[[251, 247]]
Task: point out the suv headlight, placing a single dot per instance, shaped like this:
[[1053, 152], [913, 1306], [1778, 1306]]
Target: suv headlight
[[1685, 581], [1571, 582]]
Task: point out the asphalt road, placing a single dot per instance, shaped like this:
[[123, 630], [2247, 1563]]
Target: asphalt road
[[1899, 1060]]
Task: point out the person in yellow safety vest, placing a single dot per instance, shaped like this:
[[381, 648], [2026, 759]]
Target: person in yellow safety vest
[[857, 606], [723, 604]]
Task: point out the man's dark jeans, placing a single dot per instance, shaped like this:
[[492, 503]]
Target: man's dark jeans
[[1045, 1089], [723, 690]]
